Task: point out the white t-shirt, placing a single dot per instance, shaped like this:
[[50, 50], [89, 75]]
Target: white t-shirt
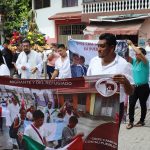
[[63, 67], [118, 66], [147, 48], [29, 131], [4, 71], [13, 111]]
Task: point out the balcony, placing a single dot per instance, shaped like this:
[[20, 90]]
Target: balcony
[[115, 6]]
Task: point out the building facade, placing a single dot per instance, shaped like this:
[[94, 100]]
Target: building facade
[[125, 18], [86, 19], [59, 20]]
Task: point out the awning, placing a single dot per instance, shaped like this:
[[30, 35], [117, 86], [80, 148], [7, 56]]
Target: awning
[[121, 29], [67, 15]]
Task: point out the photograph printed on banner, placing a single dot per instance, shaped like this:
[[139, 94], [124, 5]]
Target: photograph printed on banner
[[92, 106], [82, 51]]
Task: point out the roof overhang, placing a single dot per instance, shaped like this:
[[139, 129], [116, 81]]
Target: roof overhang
[[121, 28], [66, 16]]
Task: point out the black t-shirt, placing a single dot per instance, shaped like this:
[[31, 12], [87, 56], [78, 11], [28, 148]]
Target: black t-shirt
[[8, 57]]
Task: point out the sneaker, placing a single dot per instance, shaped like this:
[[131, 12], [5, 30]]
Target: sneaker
[[129, 126], [139, 124]]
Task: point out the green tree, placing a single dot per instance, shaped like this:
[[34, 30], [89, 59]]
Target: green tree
[[15, 13]]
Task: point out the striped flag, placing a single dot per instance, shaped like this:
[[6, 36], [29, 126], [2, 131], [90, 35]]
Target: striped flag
[[31, 144]]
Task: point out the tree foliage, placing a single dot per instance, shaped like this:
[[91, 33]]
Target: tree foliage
[[15, 13]]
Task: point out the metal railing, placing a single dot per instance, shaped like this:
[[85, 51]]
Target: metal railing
[[122, 5]]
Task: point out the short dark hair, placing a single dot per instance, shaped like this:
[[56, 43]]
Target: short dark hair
[[26, 41], [82, 58], [75, 54], [61, 46], [73, 119], [38, 114], [143, 50], [54, 44], [110, 39]]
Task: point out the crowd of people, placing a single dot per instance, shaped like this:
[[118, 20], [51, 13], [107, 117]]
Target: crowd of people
[[133, 76], [27, 62], [19, 113]]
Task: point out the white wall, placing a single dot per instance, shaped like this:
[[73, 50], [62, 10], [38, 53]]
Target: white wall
[[48, 26]]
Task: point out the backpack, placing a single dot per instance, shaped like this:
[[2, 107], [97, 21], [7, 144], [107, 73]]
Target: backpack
[[13, 131]]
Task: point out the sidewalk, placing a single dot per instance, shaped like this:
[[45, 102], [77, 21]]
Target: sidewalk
[[137, 138]]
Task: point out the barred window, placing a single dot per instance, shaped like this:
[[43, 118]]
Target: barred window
[[71, 29], [69, 3], [82, 99], [41, 3], [68, 98]]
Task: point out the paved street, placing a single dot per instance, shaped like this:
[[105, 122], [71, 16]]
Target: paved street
[[136, 138]]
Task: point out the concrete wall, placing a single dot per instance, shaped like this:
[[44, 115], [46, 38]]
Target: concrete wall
[[144, 31], [48, 26]]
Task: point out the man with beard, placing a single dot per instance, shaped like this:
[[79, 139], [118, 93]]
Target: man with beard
[[29, 63], [108, 62]]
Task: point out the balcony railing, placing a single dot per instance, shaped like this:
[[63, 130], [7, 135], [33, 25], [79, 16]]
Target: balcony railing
[[122, 5]]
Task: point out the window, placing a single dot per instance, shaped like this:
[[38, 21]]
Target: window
[[71, 29], [69, 3], [68, 98], [82, 99], [41, 3]]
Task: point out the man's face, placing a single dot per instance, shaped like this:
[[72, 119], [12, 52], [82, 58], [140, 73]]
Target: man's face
[[26, 47], [39, 122], [103, 49], [76, 60], [62, 52], [72, 124], [49, 105], [14, 101]]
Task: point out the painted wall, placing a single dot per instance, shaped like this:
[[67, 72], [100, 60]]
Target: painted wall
[[145, 29], [48, 26]]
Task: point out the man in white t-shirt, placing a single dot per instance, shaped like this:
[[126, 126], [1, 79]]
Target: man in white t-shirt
[[35, 130], [13, 110], [108, 62], [62, 64]]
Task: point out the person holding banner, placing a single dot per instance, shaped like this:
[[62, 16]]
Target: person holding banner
[[35, 130], [62, 64], [69, 133], [108, 62], [140, 68]]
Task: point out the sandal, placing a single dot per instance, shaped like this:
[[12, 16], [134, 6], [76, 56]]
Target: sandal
[[139, 124], [129, 126]]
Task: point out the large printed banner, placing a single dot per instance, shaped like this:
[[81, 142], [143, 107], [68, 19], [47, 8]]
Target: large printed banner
[[88, 48], [95, 99]]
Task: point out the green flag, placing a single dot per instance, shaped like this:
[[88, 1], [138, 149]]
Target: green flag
[[31, 144]]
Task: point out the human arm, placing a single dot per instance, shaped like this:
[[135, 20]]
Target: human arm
[[138, 52], [129, 89], [16, 123], [55, 74], [78, 135], [39, 64]]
